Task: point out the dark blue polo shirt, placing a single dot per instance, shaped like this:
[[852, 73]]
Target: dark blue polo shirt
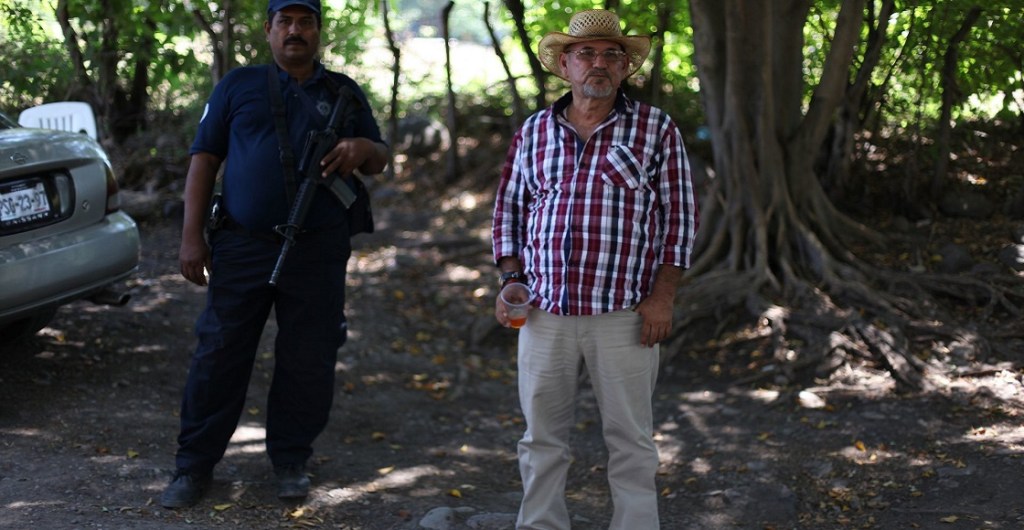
[[238, 126]]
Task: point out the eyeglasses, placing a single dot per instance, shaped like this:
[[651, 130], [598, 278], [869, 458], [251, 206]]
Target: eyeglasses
[[590, 55]]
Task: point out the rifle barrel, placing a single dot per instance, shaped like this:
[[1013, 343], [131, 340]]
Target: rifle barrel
[[289, 230]]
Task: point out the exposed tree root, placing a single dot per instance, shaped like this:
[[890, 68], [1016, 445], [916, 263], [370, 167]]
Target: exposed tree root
[[860, 314]]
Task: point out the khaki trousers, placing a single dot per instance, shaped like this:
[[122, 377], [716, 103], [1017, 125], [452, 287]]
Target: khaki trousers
[[623, 374]]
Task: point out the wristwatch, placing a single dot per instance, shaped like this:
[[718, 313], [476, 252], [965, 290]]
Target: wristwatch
[[509, 276]]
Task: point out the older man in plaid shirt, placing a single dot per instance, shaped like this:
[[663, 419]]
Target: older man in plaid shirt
[[596, 213]]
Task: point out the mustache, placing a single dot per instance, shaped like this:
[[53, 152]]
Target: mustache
[[295, 40]]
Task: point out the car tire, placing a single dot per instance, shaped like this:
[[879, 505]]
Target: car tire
[[20, 330]]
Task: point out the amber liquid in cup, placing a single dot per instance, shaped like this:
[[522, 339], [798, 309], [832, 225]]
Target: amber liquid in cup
[[516, 297]]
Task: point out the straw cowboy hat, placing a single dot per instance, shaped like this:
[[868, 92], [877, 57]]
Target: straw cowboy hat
[[593, 24]]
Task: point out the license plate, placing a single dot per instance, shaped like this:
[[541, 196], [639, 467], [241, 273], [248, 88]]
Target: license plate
[[23, 202]]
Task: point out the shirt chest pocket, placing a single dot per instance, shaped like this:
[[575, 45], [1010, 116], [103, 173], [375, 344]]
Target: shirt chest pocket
[[622, 168]]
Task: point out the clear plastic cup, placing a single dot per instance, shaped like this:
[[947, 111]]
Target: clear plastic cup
[[516, 299]]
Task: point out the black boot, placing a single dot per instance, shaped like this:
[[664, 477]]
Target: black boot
[[292, 481], [185, 489]]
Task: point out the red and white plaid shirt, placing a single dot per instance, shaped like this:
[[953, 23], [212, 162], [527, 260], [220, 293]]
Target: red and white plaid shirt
[[593, 221]]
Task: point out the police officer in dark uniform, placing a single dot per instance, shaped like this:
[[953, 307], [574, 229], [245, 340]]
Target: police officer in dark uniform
[[238, 130]]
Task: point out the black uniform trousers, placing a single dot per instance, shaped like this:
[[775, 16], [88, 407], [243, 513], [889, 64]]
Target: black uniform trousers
[[309, 302]]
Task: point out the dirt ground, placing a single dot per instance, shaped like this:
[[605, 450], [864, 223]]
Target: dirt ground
[[425, 419]]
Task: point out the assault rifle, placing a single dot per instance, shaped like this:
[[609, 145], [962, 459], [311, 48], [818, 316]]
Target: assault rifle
[[318, 144]]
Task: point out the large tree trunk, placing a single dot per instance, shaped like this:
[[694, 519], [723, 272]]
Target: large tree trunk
[[773, 248], [773, 243]]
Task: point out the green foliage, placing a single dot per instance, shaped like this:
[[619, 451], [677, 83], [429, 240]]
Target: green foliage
[[32, 37], [34, 67], [907, 82], [248, 45], [992, 70], [347, 30]]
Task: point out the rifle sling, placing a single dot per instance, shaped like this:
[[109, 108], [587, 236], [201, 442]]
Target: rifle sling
[[281, 126]]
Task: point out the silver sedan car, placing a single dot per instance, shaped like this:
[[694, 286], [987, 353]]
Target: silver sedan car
[[63, 236]]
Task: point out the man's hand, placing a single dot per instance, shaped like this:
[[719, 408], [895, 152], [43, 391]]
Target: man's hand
[[194, 259], [350, 154], [505, 264], [657, 314], [656, 309]]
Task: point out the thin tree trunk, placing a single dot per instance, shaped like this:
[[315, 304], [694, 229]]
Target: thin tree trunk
[[396, 70], [81, 75], [951, 96], [852, 114], [517, 100], [452, 169], [131, 117], [217, 68], [108, 58], [658, 58], [223, 54], [518, 16], [227, 42]]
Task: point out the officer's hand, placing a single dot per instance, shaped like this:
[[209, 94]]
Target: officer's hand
[[194, 259], [347, 155]]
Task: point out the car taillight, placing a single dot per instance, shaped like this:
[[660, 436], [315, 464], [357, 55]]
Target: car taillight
[[113, 192]]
